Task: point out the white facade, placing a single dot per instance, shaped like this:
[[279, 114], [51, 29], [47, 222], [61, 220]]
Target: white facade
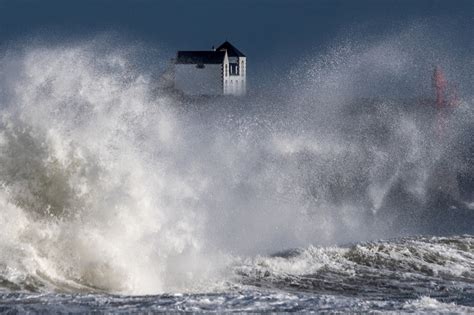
[[203, 79], [235, 83], [222, 71]]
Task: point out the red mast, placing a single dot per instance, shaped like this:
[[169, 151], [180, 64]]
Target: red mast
[[440, 85], [443, 100]]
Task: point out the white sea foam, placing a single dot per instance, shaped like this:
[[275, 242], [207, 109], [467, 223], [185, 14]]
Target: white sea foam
[[108, 184], [429, 305]]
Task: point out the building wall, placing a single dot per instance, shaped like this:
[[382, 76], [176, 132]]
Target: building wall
[[235, 84], [192, 80], [243, 75]]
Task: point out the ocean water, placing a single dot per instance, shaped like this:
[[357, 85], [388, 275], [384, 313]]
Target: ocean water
[[406, 275], [343, 189]]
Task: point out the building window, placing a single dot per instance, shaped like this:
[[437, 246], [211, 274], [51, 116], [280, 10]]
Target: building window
[[226, 73], [243, 68], [234, 69]]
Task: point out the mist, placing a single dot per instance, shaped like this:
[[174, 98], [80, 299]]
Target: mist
[[110, 182]]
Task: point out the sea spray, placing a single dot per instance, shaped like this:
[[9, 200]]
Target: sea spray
[[98, 210], [112, 185]]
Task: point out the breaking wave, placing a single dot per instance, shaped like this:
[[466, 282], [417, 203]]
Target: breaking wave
[[439, 267], [111, 184]]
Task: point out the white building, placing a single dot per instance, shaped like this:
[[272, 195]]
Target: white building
[[221, 71]]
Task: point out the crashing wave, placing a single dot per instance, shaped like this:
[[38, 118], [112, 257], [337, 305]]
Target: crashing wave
[[110, 185]]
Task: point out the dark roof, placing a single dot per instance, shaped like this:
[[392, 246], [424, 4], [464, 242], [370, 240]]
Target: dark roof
[[231, 50], [200, 57]]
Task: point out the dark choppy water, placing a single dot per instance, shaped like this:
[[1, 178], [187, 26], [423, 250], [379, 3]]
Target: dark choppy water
[[410, 275], [245, 301]]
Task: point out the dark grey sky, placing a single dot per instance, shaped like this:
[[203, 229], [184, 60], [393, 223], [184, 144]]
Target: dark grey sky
[[273, 33]]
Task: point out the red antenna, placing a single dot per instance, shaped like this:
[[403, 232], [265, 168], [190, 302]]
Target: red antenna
[[440, 85], [444, 100]]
